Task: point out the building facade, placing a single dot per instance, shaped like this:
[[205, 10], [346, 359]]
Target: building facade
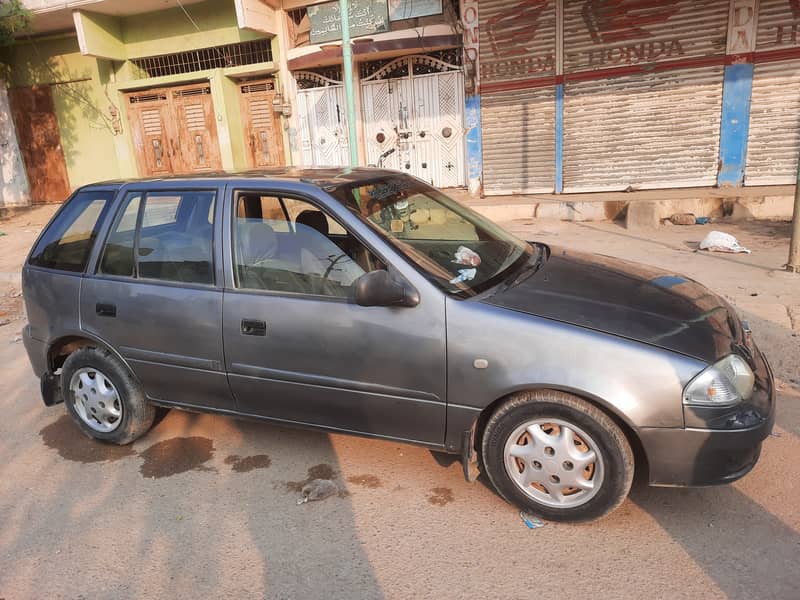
[[598, 95], [503, 96]]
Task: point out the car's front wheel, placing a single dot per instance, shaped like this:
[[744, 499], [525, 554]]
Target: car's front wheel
[[557, 456], [103, 397]]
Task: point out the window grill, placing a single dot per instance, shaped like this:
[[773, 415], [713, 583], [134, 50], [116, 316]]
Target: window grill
[[230, 55]]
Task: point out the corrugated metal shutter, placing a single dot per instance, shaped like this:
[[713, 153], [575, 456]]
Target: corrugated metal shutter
[[602, 34], [643, 131], [774, 138], [517, 39], [778, 24], [519, 141], [517, 43]]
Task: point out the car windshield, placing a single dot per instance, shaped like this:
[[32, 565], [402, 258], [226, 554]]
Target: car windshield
[[453, 246]]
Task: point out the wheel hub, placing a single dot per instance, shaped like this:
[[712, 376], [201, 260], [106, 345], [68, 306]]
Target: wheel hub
[[554, 462], [96, 400]]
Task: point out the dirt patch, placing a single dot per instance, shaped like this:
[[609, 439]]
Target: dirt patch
[[72, 444], [321, 471], [177, 455], [245, 464], [441, 496], [367, 481]]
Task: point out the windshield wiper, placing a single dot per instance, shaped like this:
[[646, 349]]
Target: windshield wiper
[[528, 269]]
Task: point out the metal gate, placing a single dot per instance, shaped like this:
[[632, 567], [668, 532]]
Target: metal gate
[[415, 106], [323, 120]]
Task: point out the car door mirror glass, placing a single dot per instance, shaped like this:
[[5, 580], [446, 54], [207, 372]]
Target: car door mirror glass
[[378, 288]]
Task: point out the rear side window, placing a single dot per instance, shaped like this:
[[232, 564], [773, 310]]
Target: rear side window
[[166, 236], [66, 243]]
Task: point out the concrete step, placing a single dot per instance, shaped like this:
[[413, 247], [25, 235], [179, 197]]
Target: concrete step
[[639, 209]]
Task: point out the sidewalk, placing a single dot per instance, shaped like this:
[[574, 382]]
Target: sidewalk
[[639, 209]]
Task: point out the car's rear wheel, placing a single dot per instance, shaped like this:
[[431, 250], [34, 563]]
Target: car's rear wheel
[[103, 397], [557, 456]]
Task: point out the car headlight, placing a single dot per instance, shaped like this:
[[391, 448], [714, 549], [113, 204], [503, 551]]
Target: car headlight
[[724, 383]]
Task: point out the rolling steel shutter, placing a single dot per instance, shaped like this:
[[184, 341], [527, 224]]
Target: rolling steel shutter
[[602, 34], [643, 131], [774, 138], [517, 44], [519, 141], [778, 24], [627, 123]]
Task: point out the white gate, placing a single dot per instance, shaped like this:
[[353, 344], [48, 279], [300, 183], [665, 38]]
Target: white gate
[[323, 121], [415, 105]]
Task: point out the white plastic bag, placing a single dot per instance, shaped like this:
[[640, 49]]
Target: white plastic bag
[[717, 241]]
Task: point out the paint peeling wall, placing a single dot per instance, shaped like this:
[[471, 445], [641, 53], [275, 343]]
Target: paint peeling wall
[[13, 180]]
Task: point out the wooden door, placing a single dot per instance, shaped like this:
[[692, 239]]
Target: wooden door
[[39, 138], [174, 131], [149, 114], [197, 142], [262, 126]]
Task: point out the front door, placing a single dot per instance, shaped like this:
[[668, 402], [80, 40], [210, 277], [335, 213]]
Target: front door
[[414, 107], [323, 120], [298, 349], [174, 130], [262, 124], [153, 296], [40, 142]]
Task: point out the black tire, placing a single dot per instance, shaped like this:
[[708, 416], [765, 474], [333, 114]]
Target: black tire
[[609, 439], [137, 414]]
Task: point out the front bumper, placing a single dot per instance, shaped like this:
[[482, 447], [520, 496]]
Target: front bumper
[[722, 451]]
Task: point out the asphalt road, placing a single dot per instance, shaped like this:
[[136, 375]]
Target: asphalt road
[[205, 506]]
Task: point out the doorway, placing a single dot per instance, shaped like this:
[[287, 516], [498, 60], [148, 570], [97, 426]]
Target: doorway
[[262, 125], [414, 107], [174, 130], [34, 115], [323, 120]]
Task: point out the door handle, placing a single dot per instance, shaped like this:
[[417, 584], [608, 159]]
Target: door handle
[[254, 327], [106, 310]]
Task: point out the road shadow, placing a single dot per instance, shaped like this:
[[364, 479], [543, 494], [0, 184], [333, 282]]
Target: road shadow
[[710, 524]]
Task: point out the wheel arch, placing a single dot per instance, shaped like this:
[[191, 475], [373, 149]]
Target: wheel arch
[[640, 456], [60, 348]]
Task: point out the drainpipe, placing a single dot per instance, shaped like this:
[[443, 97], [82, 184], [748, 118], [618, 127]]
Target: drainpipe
[[794, 246], [347, 59]]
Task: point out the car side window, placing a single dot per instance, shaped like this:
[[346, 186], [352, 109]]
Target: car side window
[[118, 252], [166, 236], [66, 243], [288, 245]]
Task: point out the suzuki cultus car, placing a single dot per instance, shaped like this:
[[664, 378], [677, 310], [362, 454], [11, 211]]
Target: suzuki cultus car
[[365, 301]]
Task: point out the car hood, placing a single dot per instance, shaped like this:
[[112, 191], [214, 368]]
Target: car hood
[[625, 299]]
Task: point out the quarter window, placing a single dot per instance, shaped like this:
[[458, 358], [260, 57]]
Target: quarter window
[[290, 245], [66, 243], [173, 240]]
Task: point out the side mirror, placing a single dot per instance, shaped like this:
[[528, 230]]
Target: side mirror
[[378, 288]]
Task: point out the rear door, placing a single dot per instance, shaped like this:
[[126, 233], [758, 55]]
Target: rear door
[[299, 349], [155, 293]]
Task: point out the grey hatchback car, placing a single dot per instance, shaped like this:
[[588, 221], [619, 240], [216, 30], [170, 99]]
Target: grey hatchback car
[[365, 301]]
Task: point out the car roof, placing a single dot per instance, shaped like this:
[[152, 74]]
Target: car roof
[[323, 177]]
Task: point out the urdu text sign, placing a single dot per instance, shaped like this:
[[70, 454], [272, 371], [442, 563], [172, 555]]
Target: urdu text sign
[[366, 17]]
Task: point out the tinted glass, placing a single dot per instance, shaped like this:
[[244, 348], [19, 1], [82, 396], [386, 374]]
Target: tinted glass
[[302, 254], [118, 252], [67, 242], [176, 240], [453, 246]]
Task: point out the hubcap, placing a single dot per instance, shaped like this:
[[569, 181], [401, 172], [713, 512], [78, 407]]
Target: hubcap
[[96, 400], [554, 462]]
